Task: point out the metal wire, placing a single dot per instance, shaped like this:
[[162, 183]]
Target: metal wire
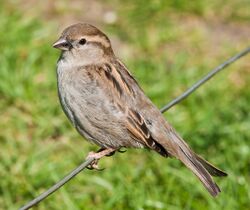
[[204, 79], [59, 184]]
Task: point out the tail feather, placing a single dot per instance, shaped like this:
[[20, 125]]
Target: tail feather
[[200, 171], [200, 167], [210, 168]]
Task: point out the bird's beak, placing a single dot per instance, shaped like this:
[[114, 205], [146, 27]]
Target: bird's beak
[[62, 44]]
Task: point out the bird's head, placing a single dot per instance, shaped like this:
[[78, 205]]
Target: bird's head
[[84, 41]]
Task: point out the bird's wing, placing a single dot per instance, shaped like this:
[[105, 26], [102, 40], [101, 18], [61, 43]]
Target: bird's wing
[[139, 131], [123, 93]]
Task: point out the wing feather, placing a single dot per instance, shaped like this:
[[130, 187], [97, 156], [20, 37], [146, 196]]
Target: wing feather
[[139, 131]]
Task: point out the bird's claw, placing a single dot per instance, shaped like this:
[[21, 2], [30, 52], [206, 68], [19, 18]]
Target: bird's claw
[[112, 153], [122, 151], [94, 166], [97, 156]]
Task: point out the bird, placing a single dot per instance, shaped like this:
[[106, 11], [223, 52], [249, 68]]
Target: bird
[[107, 106]]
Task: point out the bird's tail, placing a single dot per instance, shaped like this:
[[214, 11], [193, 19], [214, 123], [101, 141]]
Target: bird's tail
[[200, 167]]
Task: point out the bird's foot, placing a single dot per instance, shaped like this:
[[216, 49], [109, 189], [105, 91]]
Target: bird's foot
[[98, 155]]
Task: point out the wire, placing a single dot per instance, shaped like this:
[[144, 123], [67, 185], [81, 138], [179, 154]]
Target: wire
[[204, 79], [59, 184]]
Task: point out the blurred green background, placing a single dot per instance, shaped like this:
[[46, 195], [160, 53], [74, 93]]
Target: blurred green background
[[167, 45]]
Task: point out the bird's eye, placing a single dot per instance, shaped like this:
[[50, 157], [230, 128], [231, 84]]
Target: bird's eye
[[82, 41]]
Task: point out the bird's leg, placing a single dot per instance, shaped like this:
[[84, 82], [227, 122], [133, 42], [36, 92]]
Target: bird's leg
[[98, 155], [112, 153]]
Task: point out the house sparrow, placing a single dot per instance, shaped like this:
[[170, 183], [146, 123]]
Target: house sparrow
[[107, 106]]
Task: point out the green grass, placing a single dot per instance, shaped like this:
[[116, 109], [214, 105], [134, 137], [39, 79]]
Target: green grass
[[169, 46]]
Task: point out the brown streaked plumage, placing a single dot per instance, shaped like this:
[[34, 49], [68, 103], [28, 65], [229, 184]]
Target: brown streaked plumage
[[106, 105]]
